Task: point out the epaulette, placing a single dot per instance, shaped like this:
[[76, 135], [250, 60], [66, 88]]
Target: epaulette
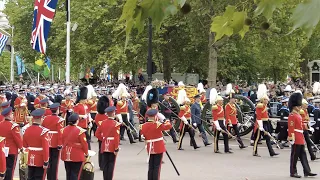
[[2, 138], [14, 125], [81, 130], [100, 122], [214, 107], [301, 112], [158, 124], [182, 108], [44, 130], [90, 102], [259, 105], [120, 103]]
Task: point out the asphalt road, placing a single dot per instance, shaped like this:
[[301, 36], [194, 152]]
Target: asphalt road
[[201, 164]]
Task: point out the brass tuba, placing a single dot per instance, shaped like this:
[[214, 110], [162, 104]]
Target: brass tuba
[[88, 167], [23, 167]]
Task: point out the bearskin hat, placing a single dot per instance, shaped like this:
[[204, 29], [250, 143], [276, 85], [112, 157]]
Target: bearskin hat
[[82, 94], [152, 96], [102, 104], [295, 100]]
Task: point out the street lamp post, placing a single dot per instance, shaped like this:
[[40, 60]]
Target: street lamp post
[[149, 64], [68, 43], [12, 58]]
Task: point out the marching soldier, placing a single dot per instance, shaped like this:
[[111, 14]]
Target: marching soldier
[[2, 159], [219, 121], [108, 133], [10, 131], [67, 107], [35, 139], [102, 105], [21, 110], [306, 128], [75, 147], [44, 105], [39, 98], [54, 123], [262, 124], [166, 111], [143, 108], [152, 131], [185, 116], [93, 112], [231, 114], [296, 137]]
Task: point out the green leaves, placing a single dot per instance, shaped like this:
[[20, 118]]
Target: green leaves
[[229, 23], [306, 16], [266, 7]]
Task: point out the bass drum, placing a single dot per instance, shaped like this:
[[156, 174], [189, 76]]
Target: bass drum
[[175, 108], [246, 112]]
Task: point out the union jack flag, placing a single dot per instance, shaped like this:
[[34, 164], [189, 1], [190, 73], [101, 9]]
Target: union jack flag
[[43, 15]]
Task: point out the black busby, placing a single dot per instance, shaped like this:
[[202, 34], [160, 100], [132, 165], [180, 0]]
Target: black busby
[[152, 97], [295, 100], [102, 104], [82, 94]]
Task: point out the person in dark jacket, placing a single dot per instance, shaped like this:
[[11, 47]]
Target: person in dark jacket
[[166, 111]]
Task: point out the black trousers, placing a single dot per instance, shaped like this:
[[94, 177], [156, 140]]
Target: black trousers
[[109, 161], [225, 138], [100, 156], [316, 136], [154, 166], [185, 129], [94, 126], [73, 170], [36, 173], [11, 163], [236, 130], [52, 170], [88, 139], [282, 128], [309, 144], [124, 128], [298, 151], [173, 135], [258, 133]]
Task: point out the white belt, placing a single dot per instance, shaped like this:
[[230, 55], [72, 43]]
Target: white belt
[[298, 130], [154, 140], [285, 117], [109, 138], [53, 132], [35, 149]]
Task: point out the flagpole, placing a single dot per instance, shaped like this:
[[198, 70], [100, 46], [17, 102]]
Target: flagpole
[[38, 78], [52, 74], [68, 43], [12, 58]]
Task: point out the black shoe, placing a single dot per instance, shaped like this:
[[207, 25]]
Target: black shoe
[[132, 142], [135, 138], [310, 174], [207, 144], [175, 141], [257, 155], [229, 152], [259, 142], [230, 149], [242, 147], [180, 149], [122, 139], [197, 147], [218, 152], [251, 144], [274, 154], [141, 140], [295, 175]]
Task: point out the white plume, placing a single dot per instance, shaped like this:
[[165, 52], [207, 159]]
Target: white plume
[[229, 89], [67, 91], [145, 93], [316, 86], [200, 87], [262, 91], [91, 92], [213, 96], [181, 83], [182, 95], [120, 90]]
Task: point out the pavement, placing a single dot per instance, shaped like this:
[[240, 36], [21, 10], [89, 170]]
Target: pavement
[[201, 164]]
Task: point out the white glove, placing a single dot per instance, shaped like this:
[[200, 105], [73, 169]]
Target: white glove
[[260, 125], [119, 118], [216, 123], [311, 129], [161, 117], [128, 116], [90, 125], [291, 142], [23, 104], [195, 124], [184, 119]]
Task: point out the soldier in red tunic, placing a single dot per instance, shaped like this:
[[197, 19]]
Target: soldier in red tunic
[[82, 110], [296, 137], [44, 105], [39, 98], [10, 130], [152, 131], [67, 107], [231, 115], [218, 121], [2, 97], [21, 110], [35, 139], [3, 106], [75, 147], [54, 123], [2, 159], [102, 104], [108, 133], [262, 126]]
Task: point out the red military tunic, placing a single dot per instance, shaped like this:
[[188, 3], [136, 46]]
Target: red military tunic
[[21, 110], [75, 146], [1, 118], [122, 107], [231, 114], [37, 101], [261, 114], [217, 112], [3, 166], [152, 132], [66, 105], [99, 118], [47, 112], [54, 123], [108, 133], [295, 128], [186, 112], [82, 109], [203, 99], [10, 130], [92, 105], [35, 139], [111, 103], [305, 118]]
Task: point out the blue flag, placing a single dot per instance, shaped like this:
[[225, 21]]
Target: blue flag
[[48, 62], [20, 65]]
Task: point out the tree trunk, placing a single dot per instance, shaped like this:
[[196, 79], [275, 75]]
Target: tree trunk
[[213, 62], [167, 48]]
